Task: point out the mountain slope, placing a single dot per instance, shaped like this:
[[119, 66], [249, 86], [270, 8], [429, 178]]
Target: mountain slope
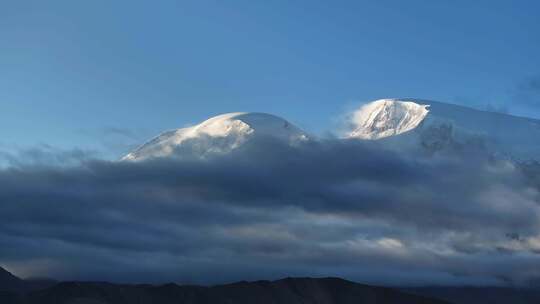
[[438, 126], [473, 295], [9, 282], [219, 134], [286, 291], [383, 118]]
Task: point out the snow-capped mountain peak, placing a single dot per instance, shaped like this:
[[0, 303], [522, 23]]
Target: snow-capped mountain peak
[[387, 117], [439, 126], [403, 123], [219, 134]]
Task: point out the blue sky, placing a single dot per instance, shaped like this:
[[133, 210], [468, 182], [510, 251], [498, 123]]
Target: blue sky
[[103, 75]]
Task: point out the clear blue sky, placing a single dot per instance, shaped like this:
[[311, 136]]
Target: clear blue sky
[[86, 73]]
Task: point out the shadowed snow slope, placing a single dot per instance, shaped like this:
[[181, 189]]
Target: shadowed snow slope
[[438, 126], [219, 134]]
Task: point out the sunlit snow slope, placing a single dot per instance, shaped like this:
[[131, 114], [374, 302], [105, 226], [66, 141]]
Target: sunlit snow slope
[[386, 117], [219, 134], [438, 126]]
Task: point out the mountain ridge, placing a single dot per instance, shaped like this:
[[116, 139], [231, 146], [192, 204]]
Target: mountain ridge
[[290, 290], [407, 122], [284, 291], [9, 281]]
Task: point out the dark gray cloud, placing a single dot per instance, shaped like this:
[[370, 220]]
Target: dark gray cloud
[[267, 210], [43, 154], [527, 94], [532, 84]]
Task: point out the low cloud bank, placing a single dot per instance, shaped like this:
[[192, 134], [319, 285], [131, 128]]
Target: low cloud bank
[[343, 208]]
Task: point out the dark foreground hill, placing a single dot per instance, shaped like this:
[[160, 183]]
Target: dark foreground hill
[[475, 295], [11, 283], [286, 291]]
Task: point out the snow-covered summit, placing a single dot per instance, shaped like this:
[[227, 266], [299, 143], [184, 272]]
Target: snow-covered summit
[[437, 126], [402, 123], [219, 134], [387, 117]]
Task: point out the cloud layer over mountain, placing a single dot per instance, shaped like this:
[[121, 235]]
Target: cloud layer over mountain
[[331, 208]]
